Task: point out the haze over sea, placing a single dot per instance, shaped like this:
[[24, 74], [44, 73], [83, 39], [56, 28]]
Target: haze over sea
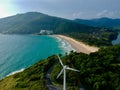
[[18, 52]]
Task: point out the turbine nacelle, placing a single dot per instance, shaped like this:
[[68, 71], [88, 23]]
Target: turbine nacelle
[[64, 70]]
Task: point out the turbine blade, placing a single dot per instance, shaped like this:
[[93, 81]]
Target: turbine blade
[[72, 69], [59, 74], [60, 61]]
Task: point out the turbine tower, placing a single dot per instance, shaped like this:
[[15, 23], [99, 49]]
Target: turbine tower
[[64, 71]]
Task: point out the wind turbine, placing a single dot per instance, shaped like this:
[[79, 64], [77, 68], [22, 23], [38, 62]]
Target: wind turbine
[[64, 71]]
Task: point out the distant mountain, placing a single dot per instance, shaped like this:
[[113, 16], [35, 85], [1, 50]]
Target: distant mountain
[[100, 22], [33, 22], [38, 23]]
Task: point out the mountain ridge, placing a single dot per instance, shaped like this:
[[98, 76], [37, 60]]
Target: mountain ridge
[[100, 22], [33, 22]]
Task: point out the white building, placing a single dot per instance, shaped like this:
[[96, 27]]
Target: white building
[[46, 32]]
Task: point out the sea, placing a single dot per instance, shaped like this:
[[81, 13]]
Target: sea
[[117, 41], [18, 52]]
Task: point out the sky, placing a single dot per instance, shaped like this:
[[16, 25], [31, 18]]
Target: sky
[[70, 9]]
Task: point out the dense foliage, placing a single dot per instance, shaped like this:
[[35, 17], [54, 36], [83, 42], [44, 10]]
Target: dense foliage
[[98, 71], [32, 78], [101, 22], [97, 38]]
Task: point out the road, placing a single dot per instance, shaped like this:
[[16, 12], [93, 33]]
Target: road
[[49, 82]]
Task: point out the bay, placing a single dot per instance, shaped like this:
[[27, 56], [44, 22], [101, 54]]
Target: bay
[[18, 52]]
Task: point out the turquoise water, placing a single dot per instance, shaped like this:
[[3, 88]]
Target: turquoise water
[[117, 41], [18, 52]]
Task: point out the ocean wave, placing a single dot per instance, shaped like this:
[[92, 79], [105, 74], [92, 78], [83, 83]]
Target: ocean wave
[[17, 71], [66, 46]]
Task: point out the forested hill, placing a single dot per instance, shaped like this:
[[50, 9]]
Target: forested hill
[[33, 22], [98, 71], [101, 22]]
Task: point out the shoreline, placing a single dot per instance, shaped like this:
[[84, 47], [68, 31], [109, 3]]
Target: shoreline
[[78, 46]]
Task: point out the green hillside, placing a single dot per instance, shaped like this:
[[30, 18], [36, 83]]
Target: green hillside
[[33, 22], [100, 22], [33, 78], [99, 70], [103, 37]]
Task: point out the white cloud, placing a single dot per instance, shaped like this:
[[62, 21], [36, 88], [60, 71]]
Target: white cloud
[[106, 13], [77, 15]]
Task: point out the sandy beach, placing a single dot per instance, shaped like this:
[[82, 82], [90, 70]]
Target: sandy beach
[[79, 46]]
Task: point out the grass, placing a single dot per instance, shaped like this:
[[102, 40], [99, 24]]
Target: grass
[[32, 78], [8, 83]]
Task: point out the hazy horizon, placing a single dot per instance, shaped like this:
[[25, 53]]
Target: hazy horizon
[[83, 9]]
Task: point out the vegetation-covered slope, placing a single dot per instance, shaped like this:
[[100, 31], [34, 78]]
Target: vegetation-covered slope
[[101, 22], [99, 70], [33, 78], [33, 22], [103, 37]]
